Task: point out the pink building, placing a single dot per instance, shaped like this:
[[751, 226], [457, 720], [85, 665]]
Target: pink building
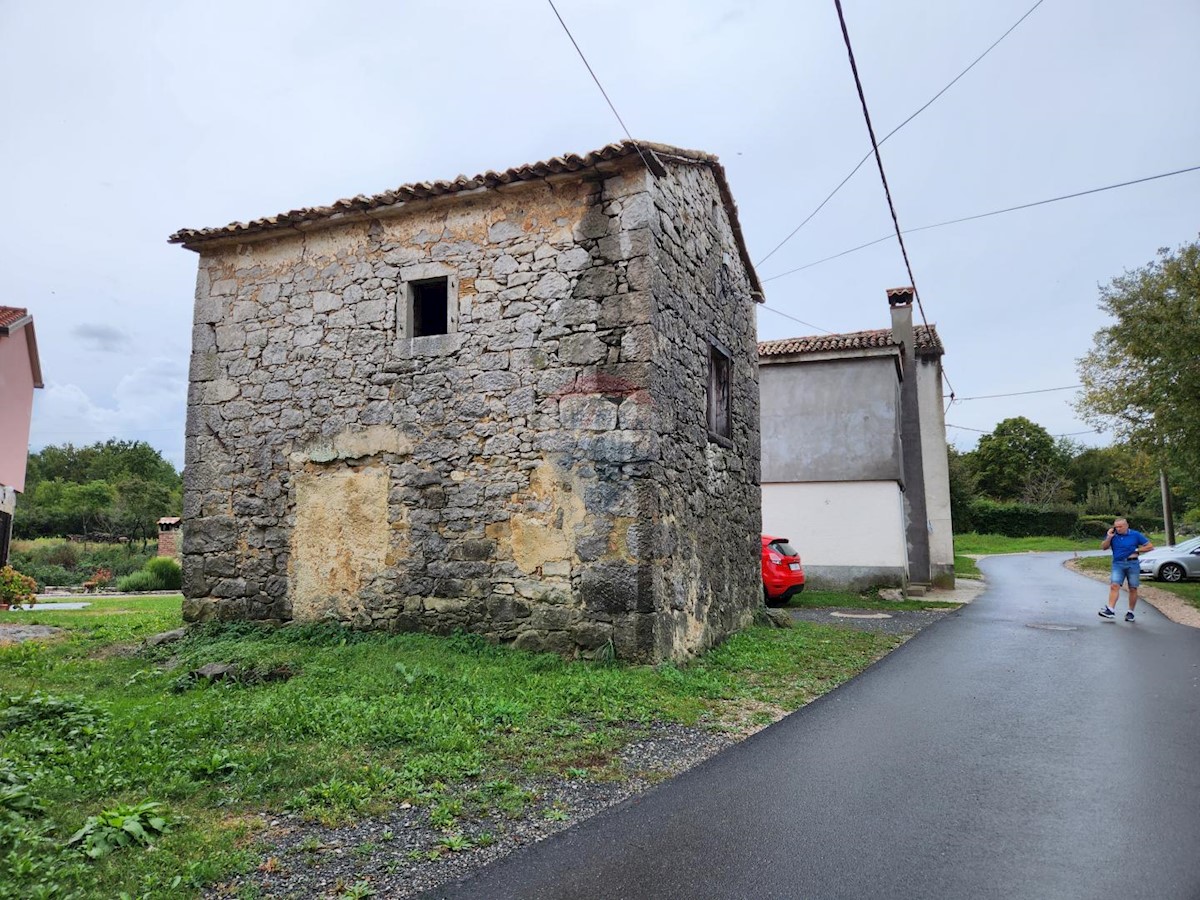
[[20, 373]]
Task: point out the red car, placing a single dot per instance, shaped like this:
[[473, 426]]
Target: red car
[[782, 574]]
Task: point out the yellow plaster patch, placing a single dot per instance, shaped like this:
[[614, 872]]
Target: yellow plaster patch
[[340, 539], [548, 534]]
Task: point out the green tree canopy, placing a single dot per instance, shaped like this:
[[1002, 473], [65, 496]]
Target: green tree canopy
[[1142, 376], [1017, 452], [118, 487]]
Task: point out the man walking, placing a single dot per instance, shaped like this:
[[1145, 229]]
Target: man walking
[[1126, 545]]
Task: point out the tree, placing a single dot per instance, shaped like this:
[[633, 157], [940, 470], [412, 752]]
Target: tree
[[1016, 451], [120, 486], [1142, 376]]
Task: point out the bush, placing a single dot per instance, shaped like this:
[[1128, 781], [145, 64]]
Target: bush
[[1093, 527], [168, 572], [1020, 520], [16, 588], [138, 581]]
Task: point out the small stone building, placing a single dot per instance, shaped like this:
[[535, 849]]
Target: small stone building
[[855, 472], [523, 404]]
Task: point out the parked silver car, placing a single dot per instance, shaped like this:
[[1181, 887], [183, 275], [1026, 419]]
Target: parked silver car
[[1172, 564]]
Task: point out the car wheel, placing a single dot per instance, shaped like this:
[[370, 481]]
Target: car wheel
[[1171, 572]]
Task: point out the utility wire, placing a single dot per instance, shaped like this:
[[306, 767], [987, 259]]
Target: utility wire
[[995, 212], [912, 279], [1069, 387], [599, 85], [780, 312], [985, 431], [928, 103]]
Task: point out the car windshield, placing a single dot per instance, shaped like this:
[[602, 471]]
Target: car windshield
[[1188, 546], [783, 548]]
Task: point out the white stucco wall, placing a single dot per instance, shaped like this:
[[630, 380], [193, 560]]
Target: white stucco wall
[[856, 524], [935, 465]]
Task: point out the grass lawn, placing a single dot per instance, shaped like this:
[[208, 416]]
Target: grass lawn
[[988, 544], [1188, 590], [826, 599], [92, 728]]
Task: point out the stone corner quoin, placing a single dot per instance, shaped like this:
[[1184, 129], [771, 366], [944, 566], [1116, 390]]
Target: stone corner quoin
[[542, 473]]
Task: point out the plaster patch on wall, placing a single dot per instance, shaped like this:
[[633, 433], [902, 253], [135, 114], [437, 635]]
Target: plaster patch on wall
[[340, 539], [547, 534]]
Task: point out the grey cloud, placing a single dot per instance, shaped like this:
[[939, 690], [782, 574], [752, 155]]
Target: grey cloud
[[104, 338]]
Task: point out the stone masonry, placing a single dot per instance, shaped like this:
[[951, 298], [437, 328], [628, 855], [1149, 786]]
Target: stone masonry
[[543, 473]]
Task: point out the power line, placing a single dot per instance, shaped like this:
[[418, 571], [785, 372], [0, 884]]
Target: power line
[[598, 84], [1069, 387], [780, 312], [928, 103], [912, 279], [984, 431], [995, 212]]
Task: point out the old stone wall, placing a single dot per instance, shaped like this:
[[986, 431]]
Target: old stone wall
[[706, 561], [504, 478]]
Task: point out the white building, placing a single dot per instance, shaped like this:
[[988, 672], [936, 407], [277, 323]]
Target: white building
[[854, 466]]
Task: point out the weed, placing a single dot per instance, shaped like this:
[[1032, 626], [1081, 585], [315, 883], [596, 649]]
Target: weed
[[556, 814], [359, 890], [120, 827], [455, 842], [445, 813], [310, 844], [486, 839], [365, 849]]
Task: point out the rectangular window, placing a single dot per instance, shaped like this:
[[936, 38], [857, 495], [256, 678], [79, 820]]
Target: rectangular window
[[718, 393], [430, 307]]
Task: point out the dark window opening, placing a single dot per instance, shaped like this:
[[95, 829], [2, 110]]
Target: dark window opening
[[718, 393], [430, 309]]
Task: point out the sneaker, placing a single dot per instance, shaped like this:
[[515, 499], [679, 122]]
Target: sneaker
[[1107, 613], [1129, 616]]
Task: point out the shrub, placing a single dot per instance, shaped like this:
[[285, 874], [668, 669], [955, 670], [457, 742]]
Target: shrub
[[138, 581], [168, 572], [16, 588]]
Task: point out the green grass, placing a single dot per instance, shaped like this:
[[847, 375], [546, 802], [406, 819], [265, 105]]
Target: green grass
[[90, 723], [988, 544], [964, 567], [840, 599]]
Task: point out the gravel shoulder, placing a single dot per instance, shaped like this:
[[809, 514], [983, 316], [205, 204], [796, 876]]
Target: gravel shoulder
[[1174, 608]]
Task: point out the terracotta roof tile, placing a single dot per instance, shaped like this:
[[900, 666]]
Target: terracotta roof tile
[[10, 315], [928, 342], [652, 153]]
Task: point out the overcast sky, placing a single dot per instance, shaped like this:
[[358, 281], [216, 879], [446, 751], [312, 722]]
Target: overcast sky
[[124, 121]]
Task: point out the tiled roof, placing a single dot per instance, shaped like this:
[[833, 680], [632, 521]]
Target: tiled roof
[[928, 342], [651, 153], [11, 315]]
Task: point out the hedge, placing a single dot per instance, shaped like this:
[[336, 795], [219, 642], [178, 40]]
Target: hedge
[[1019, 520]]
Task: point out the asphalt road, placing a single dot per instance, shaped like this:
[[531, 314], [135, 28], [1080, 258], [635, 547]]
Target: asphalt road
[[1020, 748]]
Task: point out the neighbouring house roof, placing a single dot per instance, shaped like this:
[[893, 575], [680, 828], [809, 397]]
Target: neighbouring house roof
[[356, 208], [13, 319], [169, 520], [928, 342]]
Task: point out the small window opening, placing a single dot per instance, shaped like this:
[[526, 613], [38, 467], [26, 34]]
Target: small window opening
[[430, 310], [718, 393]]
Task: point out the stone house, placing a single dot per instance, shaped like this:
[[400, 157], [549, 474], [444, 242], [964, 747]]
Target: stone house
[[523, 404], [855, 470], [20, 374]]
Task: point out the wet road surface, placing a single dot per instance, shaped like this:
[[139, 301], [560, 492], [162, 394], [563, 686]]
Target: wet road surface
[[1020, 748]]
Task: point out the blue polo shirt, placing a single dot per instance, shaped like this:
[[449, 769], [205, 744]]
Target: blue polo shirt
[[1124, 544]]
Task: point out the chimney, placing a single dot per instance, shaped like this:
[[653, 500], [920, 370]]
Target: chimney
[[900, 300]]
